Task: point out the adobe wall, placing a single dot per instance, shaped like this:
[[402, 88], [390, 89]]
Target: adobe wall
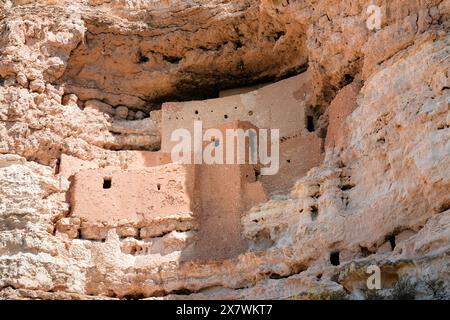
[[297, 156], [148, 194], [340, 108], [224, 193], [139, 198], [207, 198], [233, 125], [279, 106], [144, 159], [70, 165]]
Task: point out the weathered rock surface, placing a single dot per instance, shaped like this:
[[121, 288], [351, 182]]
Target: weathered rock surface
[[67, 69]]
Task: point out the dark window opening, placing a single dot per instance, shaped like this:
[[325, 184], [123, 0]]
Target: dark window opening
[[334, 258], [196, 111], [225, 116], [288, 161], [158, 186], [310, 123], [314, 213], [391, 239], [107, 183], [57, 166]]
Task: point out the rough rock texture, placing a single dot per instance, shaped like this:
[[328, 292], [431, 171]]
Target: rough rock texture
[[83, 78]]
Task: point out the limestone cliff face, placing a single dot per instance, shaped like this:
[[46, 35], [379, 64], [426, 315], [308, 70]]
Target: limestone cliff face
[[84, 80]]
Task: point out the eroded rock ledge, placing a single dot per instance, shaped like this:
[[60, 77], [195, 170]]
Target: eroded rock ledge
[[81, 88]]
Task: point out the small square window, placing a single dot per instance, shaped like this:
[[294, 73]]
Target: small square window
[[107, 183]]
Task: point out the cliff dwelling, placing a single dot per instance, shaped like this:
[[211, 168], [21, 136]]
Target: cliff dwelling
[[224, 149], [148, 197]]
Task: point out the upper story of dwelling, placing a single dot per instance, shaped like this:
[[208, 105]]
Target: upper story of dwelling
[[281, 105]]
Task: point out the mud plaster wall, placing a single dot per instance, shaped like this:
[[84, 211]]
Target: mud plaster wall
[[297, 156], [136, 197], [340, 108], [280, 106], [212, 199]]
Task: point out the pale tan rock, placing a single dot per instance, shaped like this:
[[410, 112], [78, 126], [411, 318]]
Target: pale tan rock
[[131, 115], [37, 86], [68, 226], [127, 232], [22, 80], [69, 99], [144, 126], [387, 182], [139, 115], [121, 112], [99, 106]]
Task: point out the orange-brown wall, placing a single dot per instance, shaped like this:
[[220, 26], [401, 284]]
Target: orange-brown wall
[[340, 108]]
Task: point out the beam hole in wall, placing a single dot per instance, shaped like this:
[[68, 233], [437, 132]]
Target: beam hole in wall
[[225, 116], [158, 186], [334, 258], [250, 113], [288, 161], [196, 111], [107, 183]]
